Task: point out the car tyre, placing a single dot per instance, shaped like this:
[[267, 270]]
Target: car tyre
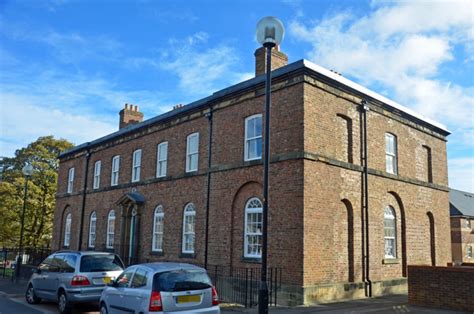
[[103, 308], [64, 305], [30, 295]]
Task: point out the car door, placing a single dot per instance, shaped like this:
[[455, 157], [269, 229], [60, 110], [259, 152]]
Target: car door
[[136, 296], [56, 273], [39, 280], [114, 297]]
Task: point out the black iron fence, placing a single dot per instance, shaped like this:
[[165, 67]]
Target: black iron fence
[[234, 284], [241, 284], [28, 257]]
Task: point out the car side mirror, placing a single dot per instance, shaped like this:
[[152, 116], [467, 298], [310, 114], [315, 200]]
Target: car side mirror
[[36, 270]]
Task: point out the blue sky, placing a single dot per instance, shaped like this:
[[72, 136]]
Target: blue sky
[[67, 67]]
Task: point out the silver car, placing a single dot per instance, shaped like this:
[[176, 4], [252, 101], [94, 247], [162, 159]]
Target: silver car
[[161, 288], [70, 277]]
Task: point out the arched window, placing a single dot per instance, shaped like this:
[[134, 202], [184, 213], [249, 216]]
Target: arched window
[[67, 230], [158, 217], [189, 222], [253, 228], [390, 232], [92, 228], [110, 230]]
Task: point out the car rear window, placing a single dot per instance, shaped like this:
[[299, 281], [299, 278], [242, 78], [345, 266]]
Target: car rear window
[[181, 280], [95, 263]]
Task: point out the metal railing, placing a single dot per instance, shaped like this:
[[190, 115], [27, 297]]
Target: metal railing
[[30, 258]]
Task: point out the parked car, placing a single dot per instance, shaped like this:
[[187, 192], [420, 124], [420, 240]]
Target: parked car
[[69, 277], [161, 288]]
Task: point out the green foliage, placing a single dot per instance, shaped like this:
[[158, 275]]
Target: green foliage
[[43, 155]]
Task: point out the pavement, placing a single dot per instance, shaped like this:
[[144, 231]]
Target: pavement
[[12, 301]]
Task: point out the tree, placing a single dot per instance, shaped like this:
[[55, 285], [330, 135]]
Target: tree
[[43, 155]]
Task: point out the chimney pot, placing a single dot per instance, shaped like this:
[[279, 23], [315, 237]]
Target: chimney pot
[[130, 115]]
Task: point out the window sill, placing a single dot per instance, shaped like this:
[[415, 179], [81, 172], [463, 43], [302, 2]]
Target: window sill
[[187, 255], [157, 253], [252, 260], [389, 261]]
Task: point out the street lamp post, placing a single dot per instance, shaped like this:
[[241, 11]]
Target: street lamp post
[[270, 32], [27, 172]]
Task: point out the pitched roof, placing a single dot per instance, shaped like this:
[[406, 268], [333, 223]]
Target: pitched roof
[[295, 66], [461, 203]]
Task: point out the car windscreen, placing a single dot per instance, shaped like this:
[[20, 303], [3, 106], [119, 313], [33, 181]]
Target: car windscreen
[[95, 263], [181, 280]]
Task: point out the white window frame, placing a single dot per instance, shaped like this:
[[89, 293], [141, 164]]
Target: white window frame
[[390, 216], [97, 168], [190, 154], [158, 227], [161, 161], [253, 207], [248, 140], [469, 251], [189, 220], [114, 177], [70, 180], [92, 229], [136, 165], [468, 223], [67, 230], [110, 230], [391, 153]]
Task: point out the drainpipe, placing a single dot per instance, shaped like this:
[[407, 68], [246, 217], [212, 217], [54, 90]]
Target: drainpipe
[[209, 160], [365, 226], [84, 193]]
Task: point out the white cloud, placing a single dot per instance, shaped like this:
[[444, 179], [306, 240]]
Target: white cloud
[[201, 71], [400, 47], [23, 121], [461, 174]]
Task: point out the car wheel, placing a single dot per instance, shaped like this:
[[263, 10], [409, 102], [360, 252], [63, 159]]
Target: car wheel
[[30, 295], [103, 308], [63, 304]]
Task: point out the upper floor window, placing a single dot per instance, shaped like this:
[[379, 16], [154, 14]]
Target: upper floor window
[[97, 167], [192, 152], [391, 153], [429, 169], [469, 251], [468, 223], [67, 230], [253, 137], [115, 170], [390, 232], [253, 228], [92, 229], [157, 241], [189, 222], [110, 230], [136, 165], [161, 159], [70, 180]]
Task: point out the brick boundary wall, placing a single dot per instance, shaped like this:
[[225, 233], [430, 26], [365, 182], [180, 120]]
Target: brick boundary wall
[[441, 287]]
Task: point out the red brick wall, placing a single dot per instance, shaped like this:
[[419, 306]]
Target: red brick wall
[[441, 287], [315, 194]]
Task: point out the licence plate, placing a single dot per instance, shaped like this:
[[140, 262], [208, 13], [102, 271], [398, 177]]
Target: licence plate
[[188, 298], [107, 280]]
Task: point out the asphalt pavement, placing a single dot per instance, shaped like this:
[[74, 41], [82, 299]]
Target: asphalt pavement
[[12, 301]]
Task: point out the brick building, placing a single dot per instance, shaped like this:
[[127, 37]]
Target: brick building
[[148, 190], [461, 208]]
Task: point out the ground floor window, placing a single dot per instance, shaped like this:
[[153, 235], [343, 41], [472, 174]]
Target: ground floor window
[[253, 228]]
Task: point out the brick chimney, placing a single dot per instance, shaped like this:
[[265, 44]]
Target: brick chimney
[[130, 115], [279, 59]]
